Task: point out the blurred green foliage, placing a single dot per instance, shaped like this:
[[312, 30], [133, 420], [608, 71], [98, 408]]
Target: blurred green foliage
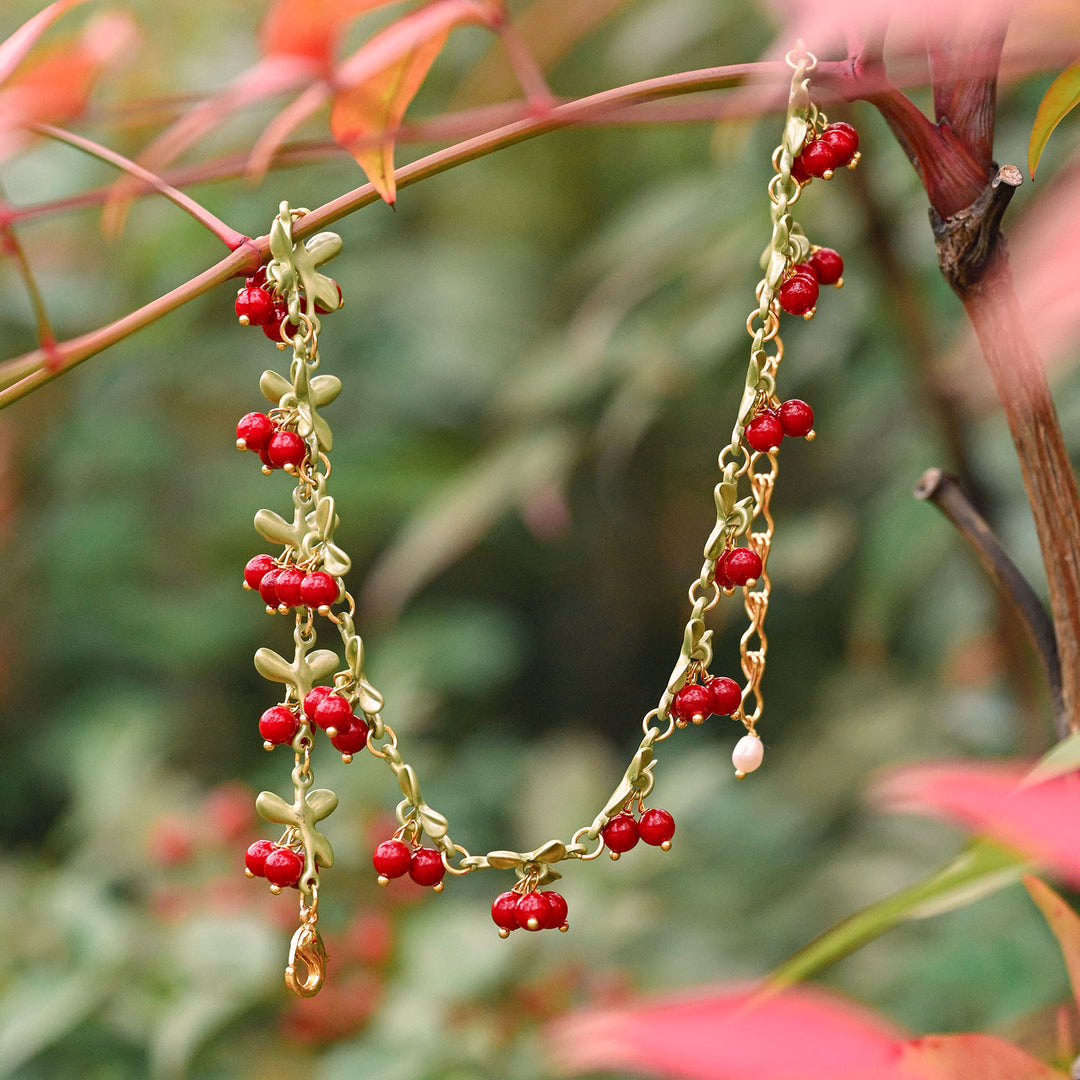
[[542, 353]]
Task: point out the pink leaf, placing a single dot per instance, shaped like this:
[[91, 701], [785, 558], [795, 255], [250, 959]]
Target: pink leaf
[[733, 1033], [310, 29], [720, 1033], [1038, 820]]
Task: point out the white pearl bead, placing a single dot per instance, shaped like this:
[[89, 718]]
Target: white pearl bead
[[747, 755]]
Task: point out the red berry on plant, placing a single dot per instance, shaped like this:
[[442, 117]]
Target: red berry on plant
[[742, 566], [255, 857], [726, 695], [426, 866], [286, 448], [392, 859], [797, 418], [827, 265], [279, 725], [268, 588], [620, 833], [279, 317], [253, 431], [254, 306], [334, 712], [557, 910], [764, 432], [256, 569], [319, 589], [504, 911], [312, 699], [656, 827], [798, 295], [843, 139], [350, 738], [532, 911], [819, 158], [692, 704], [288, 586], [283, 867]]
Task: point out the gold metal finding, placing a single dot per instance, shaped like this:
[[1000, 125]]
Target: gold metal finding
[[307, 950]]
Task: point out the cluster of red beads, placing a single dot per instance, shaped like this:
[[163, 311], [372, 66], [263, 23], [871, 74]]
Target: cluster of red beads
[[623, 831], [767, 429], [256, 305], [286, 587], [528, 911], [334, 714], [736, 567], [277, 448], [800, 290], [696, 702], [281, 866], [394, 859], [836, 146]]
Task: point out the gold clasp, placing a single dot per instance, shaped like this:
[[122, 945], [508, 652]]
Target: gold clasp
[[306, 948]]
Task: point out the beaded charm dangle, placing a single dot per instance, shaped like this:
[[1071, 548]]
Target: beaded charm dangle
[[328, 697]]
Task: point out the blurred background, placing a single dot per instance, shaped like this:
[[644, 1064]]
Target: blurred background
[[542, 353]]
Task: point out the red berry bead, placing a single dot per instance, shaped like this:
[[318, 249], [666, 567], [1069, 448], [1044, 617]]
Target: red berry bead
[[657, 827], [257, 280], [692, 704], [726, 695], [279, 725], [532, 911], [504, 912], [283, 867], [334, 712], [797, 418], [312, 699], [798, 295], [843, 139], [255, 857], [742, 566], [254, 306], [557, 911], [805, 269], [319, 589], [392, 858], [256, 569], [268, 588], [819, 158], [253, 431], [279, 317], [350, 738], [285, 448], [764, 432], [798, 171], [620, 833], [426, 866], [827, 265], [287, 586]]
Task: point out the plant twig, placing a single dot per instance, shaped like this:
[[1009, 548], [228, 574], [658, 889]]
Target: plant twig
[[945, 493], [225, 233]]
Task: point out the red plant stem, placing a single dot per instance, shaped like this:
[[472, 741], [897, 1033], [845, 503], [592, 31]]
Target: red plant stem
[[1020, 381], [227, 235], [23, 374]]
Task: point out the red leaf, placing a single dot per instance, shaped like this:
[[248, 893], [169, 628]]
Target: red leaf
[[1065, 924], [15, 47], [376, 84], [970, 1057], [1038, 820], [729, 1033], [310, 29], [54, 87]]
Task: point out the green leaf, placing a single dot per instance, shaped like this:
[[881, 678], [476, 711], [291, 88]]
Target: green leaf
[[983, 868], [1061, 97]]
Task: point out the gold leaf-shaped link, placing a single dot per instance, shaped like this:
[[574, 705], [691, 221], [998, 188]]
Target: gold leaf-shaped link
[[323, 434], [368, 698], [323, 802], [409, 784], [275, 809], [273, 667], [504, 860], [552, 852], [274, 386], [435, 824], [335, 561], [325, 389], [325, 518]]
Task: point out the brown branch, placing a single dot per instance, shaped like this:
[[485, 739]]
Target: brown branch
[[945, 493]]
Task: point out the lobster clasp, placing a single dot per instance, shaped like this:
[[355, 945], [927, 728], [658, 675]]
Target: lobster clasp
[[307, 949]]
